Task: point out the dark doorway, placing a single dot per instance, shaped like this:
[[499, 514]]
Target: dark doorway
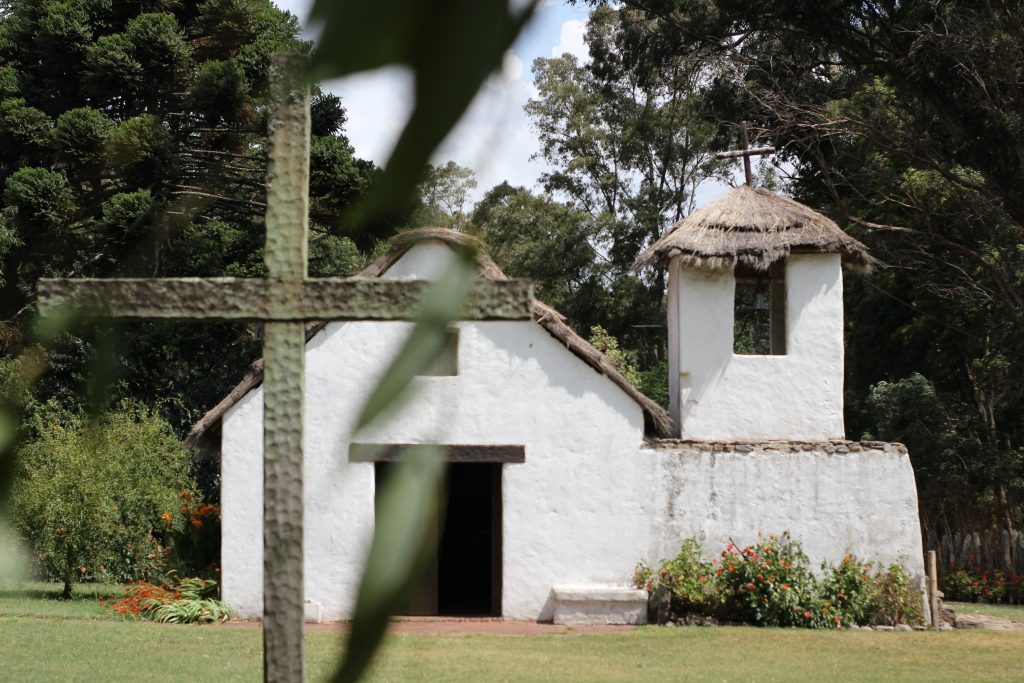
[[465, 577]]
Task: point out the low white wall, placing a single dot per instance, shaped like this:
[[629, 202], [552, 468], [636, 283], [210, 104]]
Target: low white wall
[[835, 498], [716, 394]]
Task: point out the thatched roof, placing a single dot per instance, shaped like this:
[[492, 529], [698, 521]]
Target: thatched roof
[[754, 227], [656, 420]]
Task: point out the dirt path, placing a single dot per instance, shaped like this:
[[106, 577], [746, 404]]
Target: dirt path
[[446, 626]]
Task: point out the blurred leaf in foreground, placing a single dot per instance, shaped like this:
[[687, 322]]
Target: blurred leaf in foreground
[[408, 505], [451, 48]]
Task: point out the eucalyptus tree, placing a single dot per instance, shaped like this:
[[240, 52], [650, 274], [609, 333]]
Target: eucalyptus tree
[[626, 143]]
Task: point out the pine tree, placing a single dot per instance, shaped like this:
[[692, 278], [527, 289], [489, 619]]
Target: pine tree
[[132, 142]]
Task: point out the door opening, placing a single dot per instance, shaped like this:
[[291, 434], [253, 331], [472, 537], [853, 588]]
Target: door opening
[[465, 574]]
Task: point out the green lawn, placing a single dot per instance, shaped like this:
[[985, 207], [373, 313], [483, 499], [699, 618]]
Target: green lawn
[[1012, 612], [78, 642]]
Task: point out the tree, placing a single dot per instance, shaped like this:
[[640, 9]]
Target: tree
[[94, 497], [902, 120], [445, 192], [623, 133], [132, 142]]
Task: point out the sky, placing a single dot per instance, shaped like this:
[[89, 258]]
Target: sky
[[494, 138]]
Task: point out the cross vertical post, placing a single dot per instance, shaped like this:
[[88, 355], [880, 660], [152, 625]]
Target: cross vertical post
[[284, 357], [745, 152]]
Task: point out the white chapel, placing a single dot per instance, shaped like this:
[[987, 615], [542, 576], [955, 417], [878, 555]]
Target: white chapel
[[563, 476]]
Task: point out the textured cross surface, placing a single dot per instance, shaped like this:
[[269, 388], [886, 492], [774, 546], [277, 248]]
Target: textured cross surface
[[745, 151], [285, 301]]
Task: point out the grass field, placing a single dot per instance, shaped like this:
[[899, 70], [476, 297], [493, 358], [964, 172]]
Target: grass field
[[1012, 612], [43, 639]]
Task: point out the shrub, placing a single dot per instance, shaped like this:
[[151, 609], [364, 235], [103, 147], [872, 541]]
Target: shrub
[[688, 577], [91, 495], [894, 599], [195, 541], [846, 589], [974, 584], [769, 584]]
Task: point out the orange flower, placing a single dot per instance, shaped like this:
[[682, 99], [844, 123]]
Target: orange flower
[[785, 586], [807, 614], [750, 586], [197, 523], [167, 519], [185, 495]]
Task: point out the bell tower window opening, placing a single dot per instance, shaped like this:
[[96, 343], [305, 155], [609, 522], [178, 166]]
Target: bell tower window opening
[[759, 320]]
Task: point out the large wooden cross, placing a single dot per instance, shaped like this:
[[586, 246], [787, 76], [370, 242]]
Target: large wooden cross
[[284, 301], [744, 152]]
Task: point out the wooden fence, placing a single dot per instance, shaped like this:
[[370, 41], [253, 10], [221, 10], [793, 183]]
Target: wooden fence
[[989, 549]]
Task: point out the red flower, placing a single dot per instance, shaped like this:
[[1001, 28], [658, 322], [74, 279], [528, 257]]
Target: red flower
[[807, 614]]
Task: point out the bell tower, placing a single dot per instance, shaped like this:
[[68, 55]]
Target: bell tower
[[755, 319]]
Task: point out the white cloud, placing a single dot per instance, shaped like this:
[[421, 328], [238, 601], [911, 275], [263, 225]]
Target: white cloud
[[573, 40], [378, 105], [494, 136]]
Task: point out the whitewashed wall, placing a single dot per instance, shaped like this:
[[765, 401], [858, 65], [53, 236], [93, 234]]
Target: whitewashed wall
[[716, 394], [566, 519], [833, 502], [585, 507]]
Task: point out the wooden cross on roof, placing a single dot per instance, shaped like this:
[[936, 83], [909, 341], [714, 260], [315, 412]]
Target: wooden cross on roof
[[745, 152], [284, 301]]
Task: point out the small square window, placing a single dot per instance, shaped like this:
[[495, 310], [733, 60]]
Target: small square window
[[446, 362], [759, 320]]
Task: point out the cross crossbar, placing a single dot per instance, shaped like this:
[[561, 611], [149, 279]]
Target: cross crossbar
[[745, 151], [228, 298]]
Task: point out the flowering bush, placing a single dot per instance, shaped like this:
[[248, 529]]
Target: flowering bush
[[139, 598], [194, 535], [771, 584], [971, 583], [688, 577], [846, 590]]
